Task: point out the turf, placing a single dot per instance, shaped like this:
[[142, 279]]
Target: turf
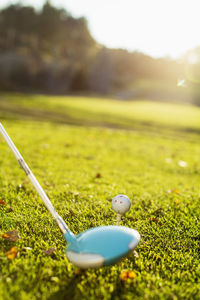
[[132, 148]]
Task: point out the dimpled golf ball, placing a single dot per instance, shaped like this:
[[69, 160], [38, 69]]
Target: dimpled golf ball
[[121, 204]]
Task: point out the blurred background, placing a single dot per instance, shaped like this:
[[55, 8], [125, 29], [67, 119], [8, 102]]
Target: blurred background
[[101, 97], [46, 48]]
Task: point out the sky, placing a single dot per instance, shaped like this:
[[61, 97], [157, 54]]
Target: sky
[[160, 28]]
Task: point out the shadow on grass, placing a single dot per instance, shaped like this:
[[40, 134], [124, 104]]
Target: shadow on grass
[[21, 113], [14, 111]]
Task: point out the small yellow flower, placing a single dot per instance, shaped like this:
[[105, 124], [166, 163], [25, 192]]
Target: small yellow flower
[[124, 275], [12, 253], [127, 274], [131, 274]]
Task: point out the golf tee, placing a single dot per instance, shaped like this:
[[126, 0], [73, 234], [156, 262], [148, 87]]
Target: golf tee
[[118, 218]]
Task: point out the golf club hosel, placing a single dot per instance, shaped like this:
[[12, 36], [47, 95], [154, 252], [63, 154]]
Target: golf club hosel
[[61, 223]]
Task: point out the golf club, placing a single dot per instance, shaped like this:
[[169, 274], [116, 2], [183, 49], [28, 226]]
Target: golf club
[[93, 248]]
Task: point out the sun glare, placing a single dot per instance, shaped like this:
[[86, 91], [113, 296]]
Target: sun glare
[[159, 28]]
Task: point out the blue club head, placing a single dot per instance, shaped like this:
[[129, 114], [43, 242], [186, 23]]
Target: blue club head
[[101, 246]]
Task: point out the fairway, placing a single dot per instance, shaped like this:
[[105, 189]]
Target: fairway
[[84, 151], [142, 115]]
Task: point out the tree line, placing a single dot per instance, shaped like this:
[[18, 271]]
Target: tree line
[[50, 51]]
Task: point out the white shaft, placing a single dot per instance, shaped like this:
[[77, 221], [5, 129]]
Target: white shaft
[[33, 180]]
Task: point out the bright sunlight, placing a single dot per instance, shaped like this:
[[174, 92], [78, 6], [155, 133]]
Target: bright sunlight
[[155, 27]]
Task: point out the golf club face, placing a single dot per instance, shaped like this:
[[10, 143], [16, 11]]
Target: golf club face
[[102, 246]]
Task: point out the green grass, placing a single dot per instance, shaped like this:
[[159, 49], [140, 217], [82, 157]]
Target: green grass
[[101, 112], [128, 144]]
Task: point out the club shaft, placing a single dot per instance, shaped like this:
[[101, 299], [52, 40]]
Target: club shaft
[[34, 181]]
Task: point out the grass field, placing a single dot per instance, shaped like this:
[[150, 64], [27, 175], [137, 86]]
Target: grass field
[[84, 151]]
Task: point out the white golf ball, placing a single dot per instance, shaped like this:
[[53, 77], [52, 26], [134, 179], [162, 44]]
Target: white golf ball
[[121, 204]]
